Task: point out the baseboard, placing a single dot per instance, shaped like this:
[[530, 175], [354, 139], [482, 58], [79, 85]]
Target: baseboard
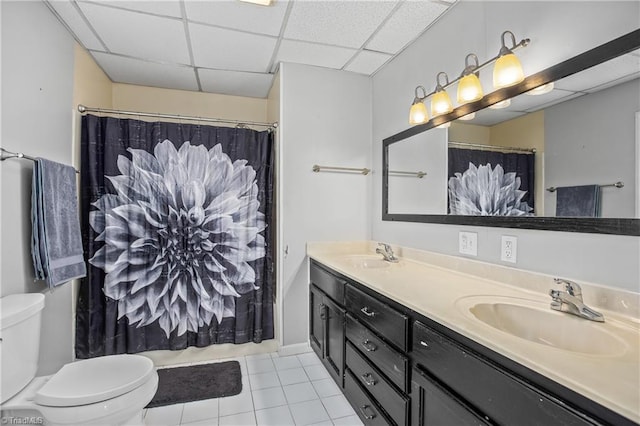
[[298, 348]]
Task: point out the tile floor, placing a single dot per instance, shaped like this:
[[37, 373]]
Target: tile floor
[[276, 391]]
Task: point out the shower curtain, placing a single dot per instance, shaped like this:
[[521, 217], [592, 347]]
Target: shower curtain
[[178, 231], [490, 183]]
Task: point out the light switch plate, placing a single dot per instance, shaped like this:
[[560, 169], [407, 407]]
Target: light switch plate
[[468, 243], [509, 249]]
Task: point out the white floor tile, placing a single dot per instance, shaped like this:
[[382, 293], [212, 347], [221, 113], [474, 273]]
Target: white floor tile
[[325, 423], [309, 358], [316, 372], [259, 356], [337, 406], [308, 412], [168, 415], [256, 366], [263, 381], [348, 421], [207, 422], [200, 410], [287, 362], [299, 392], [326, 387], [277, 416], [268, 398], [294, 375], [242, 419], [235, 404]]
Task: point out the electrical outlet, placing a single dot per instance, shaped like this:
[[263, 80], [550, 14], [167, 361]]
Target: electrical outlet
[[468, 243], [509, 249]]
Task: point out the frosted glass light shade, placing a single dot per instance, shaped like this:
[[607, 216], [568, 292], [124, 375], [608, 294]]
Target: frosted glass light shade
[[469, 89], [444, 126], [418, 113], [507, 71], [467, 117], [501, 104], [541, 90], [441, 103]]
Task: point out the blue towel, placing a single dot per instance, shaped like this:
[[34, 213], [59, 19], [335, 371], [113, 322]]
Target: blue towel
[[578, 201], [56, 243]]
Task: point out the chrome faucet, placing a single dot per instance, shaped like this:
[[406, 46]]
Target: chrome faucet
[[570, 301], [387, 252]]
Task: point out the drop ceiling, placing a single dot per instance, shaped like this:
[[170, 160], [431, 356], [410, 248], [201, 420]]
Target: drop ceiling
[[232, 47]]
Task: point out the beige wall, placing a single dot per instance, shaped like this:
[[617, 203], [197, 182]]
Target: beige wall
[[469, 133], [91, 86]]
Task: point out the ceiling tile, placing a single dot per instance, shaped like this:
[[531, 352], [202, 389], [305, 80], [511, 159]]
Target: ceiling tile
[[139, 35], [490, 117], [367, 62], [407, 23], [340, 23], [239, 15], [164, 7], [314, 54], [254, 85], [230, 50], [531, 103], [599, 75], [134, 71], [69, 14]]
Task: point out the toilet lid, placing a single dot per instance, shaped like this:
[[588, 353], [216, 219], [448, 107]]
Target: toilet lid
[[94, 380]]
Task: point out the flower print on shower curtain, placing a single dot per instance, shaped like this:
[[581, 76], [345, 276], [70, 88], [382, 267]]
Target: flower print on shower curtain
[[178, 235]]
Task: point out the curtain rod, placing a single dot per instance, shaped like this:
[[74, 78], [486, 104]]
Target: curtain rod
[[493, 147], [82, 109]]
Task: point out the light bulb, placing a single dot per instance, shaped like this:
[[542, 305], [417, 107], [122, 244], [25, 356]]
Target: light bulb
[[469, 89], [441, 103], [507, 71], [467, 117], [502, 104], [418, 113], [541, 90]]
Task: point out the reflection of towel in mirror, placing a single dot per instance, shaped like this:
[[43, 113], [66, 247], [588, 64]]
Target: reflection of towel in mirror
[[56, 244], [578, 201]]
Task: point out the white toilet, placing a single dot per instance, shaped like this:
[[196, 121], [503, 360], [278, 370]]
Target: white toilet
[[109, 390]]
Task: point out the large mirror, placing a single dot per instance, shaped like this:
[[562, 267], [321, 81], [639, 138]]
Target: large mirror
[[566, 160]]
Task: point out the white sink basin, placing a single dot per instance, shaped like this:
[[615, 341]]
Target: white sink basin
[[367, 262], [537, 322]]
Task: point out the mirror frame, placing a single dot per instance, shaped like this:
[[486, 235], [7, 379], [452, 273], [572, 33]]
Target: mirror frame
[[616, 226]]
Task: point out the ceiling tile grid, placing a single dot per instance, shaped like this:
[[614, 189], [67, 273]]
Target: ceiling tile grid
[[232, 47]]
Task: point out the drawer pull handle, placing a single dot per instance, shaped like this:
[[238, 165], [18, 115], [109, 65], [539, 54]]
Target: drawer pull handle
[[368, 379], [425, 344], [367, 312], [364, 409], [368, 346]]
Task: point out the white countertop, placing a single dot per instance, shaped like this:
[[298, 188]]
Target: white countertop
[[432, 285]]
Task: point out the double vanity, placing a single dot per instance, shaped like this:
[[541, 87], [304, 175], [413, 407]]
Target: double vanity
[[435, 339]]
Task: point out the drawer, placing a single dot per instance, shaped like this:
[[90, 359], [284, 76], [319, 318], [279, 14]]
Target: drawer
[[367, 410], [327, 282], [392, 401], [501, 396], [391, 363], [389, 323]]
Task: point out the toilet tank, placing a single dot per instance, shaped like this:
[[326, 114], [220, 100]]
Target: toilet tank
[[19, 348]]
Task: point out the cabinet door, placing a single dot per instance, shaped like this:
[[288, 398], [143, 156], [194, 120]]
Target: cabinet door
[[316, 320], [432, 405], [334, 340]]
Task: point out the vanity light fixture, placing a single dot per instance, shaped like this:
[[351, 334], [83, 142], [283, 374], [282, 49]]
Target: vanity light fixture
[[501, 104], [508, 69], [469, 87], [418, 113], [440, 101], [541, 90], [507, 72], [467, 117]]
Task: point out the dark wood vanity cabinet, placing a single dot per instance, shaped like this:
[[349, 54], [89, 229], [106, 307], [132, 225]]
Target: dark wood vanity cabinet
[[326, 321], [398, 367]]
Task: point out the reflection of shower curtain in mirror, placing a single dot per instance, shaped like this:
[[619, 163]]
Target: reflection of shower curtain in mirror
[[490, 183], [178, 231]]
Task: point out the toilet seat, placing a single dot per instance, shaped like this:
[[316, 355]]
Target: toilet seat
[[94, 380]]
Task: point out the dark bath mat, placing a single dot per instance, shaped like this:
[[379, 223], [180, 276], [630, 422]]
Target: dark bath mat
[[196, 382]]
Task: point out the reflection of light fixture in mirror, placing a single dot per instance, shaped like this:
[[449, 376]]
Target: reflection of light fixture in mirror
[[440, 101], [541, 90], [418, 113], [467, 117], [507, 71], [444, 125], [501, 104], [469, 87]]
